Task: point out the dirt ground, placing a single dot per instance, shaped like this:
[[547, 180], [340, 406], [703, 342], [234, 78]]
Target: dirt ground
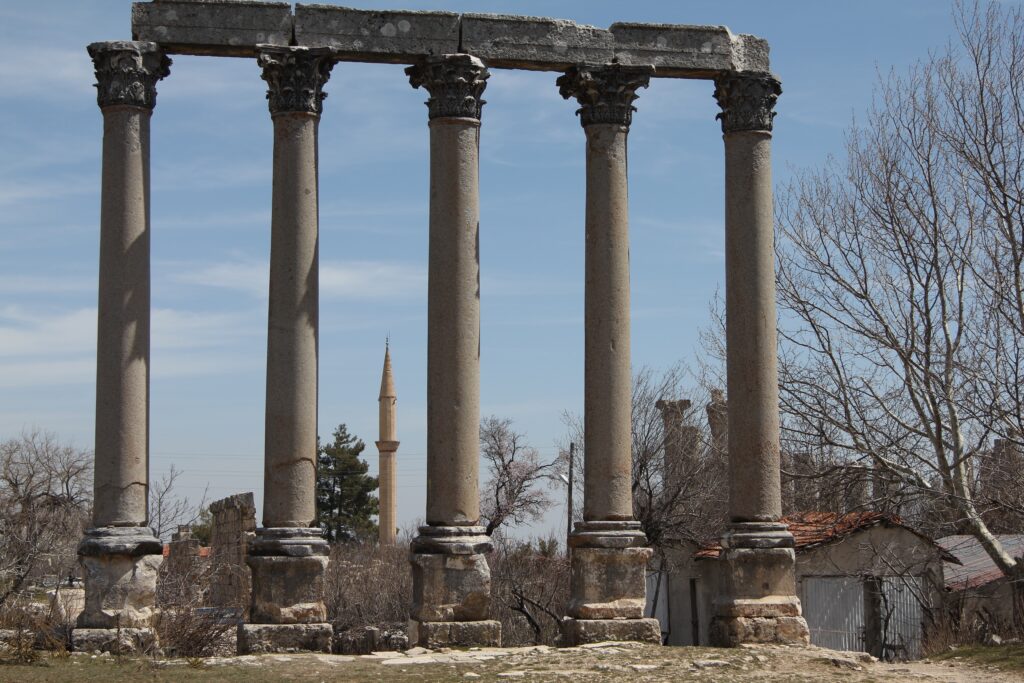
[[600, 662]]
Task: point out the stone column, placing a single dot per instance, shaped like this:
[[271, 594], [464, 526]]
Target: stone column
[[757, 596], [609, 550], [451, 580], [679, 449], [288, 556], [119, 554]]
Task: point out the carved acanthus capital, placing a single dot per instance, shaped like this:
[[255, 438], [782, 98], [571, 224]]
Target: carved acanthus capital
[[127, 72], [295, 77], [747, 101], [455, 82], [605, 93]]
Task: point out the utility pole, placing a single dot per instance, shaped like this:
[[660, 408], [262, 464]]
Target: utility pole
[[572, 464]]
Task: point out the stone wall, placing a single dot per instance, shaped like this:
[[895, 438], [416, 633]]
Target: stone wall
[[234, 525]]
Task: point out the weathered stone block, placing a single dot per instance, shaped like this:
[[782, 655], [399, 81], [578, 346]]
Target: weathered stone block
[[267, 638], [582, 631], [116, 641], [674, 50], [120, 591], [735, 631], [437, 634], [202, 27], [534, 42], [450, 588], [608, 583], [287, 590], [749, 573], [376, 36]]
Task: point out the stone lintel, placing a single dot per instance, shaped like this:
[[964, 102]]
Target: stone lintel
[[536, 43], [435, 635], [235, 27], [682, 51], [584, 631], [254, 639], [377, 36], [223, 28]]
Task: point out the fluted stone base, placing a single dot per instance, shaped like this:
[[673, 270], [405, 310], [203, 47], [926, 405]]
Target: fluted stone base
[[120, 566], [288, 567], [608, 584], [255, 639], [451, 589], [583, 631], [757, 601]]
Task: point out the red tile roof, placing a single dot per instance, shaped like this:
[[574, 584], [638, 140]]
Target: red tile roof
[[811, 529], [204, 551]]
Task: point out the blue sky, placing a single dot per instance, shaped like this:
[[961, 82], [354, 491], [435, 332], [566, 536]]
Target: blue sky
[[211, 179]]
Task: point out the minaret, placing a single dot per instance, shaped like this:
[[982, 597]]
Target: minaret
[[387, 446]]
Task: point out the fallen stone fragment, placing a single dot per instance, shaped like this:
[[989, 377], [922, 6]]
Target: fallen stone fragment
[[709, 663]]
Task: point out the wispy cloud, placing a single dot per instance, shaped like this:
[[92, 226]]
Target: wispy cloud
[[362, 280], [35, 284]]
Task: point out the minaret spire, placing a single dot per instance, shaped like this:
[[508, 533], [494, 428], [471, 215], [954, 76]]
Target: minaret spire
[[387, 446]]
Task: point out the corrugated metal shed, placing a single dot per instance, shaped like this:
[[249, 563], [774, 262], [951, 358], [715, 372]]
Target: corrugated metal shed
[[975, 567]]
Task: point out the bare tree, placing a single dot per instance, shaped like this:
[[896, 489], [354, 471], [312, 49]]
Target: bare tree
[[44, 506], [167, 510], [530, 590], [900, 276], [677, 493], [513, 492]]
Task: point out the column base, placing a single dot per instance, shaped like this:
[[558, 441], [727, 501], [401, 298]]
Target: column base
[[288, 567], [437, 634], [583, 631], [609, 570], [757, 600], [113, 640], [255, 639], [120, 566], [451, 588]]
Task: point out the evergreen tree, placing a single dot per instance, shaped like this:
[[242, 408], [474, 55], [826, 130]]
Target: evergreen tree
[[344, 492]]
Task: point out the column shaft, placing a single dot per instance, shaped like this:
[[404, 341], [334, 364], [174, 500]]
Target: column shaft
[[453, 334], [122, 348], [752, 354], [288, 556], [607, 402], [119, 555], [292, 329], [450, 576], [608, 548], [756, 600]]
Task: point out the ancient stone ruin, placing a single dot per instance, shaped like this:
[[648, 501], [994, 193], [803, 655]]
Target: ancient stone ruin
[[451, 56]]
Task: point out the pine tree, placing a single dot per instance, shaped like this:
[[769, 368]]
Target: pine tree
[[344, 492]]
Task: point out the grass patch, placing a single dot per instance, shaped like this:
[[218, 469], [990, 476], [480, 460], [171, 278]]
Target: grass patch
[[1003, 656]]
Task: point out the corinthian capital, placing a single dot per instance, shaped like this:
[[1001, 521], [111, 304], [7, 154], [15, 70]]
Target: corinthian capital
[[295, 77], [605, 93], [747, 101], [127, 72], [455, 82]]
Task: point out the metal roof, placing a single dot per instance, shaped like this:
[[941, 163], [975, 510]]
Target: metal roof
[[976, 568]]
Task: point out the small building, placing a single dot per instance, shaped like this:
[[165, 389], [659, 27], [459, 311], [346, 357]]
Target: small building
[[979, 595], [866, 582]]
